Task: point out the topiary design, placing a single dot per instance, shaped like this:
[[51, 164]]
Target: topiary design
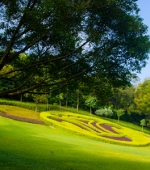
[[95, 128]]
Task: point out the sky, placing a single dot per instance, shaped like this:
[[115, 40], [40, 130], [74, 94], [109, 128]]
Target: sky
[[144, 13]]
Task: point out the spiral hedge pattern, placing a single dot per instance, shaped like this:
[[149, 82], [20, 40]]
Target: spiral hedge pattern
[[95, 128]]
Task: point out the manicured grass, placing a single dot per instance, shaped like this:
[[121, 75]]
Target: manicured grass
[[25, 146]]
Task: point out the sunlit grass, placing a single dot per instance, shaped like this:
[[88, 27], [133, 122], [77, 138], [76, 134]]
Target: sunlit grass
[[27, 146]]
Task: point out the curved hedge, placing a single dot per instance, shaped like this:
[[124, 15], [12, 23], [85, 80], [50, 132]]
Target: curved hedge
[[95, 128]]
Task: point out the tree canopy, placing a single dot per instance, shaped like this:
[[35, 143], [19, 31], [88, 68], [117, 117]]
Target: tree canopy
[[142, 97], [47, 44]]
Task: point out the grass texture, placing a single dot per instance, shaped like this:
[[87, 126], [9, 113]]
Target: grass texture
[[27, 146]]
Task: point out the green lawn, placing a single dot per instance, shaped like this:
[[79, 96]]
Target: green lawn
[[26, 146]]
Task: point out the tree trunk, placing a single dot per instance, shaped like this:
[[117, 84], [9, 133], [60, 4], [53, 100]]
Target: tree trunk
[[90, 110], [66, 101], [47, 104], [36, 107], [60, 104], [21, 97], [77, 102]]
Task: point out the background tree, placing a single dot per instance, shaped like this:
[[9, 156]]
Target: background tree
[[90, 102], [100, 87], [39, 99], [143, 123], [142, 98], [123, 98], [60, 98], [119, 113]]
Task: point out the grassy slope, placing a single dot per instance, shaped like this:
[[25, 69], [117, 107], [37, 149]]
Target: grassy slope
[[27, 146]]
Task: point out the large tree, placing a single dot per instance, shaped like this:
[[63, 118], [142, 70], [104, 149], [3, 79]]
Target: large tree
[[142, 98], [46, 44], [123, 98]]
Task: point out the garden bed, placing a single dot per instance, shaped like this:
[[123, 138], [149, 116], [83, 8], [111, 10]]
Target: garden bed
[[23, 119]]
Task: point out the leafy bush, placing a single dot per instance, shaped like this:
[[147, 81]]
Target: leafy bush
[[104, 112]]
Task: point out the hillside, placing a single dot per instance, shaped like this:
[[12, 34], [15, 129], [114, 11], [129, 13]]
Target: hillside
[[29, 146]]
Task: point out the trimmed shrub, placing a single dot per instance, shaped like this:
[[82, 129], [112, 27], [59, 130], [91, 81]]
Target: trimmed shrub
[[107, 112]]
